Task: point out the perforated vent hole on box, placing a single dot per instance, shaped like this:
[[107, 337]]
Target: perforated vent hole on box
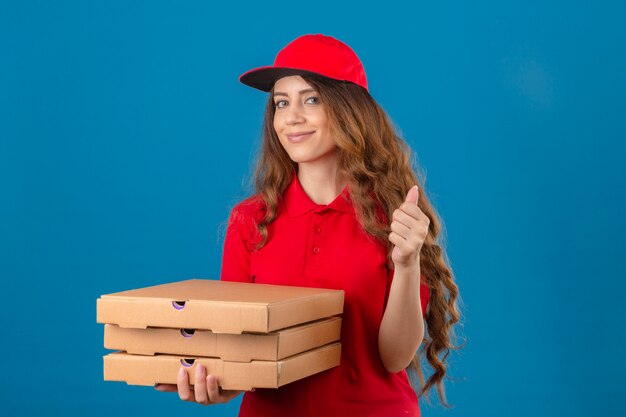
[[187, 362], [178, 305], [187, 332]]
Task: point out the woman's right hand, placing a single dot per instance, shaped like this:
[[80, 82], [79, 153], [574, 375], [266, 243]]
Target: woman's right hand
[[205, 390]]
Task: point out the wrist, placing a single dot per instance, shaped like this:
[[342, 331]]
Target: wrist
[[410, 268]]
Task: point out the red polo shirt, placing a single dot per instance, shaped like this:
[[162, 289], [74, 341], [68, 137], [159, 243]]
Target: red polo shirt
[[313, 245]]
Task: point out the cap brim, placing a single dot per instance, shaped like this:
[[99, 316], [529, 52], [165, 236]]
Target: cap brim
[[263, 78]]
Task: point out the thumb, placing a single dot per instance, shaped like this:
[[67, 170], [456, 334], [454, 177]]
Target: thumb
[[413, 195]]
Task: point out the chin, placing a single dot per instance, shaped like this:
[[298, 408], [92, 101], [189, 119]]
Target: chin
[[319, 155], [299, 157], [298, 160]]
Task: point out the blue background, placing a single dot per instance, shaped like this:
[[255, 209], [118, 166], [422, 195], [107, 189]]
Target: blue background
[[125, 139]]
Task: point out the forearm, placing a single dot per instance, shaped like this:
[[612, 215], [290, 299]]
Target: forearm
[[402, 327]]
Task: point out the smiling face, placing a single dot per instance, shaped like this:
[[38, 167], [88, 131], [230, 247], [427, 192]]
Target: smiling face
[[301, 123]]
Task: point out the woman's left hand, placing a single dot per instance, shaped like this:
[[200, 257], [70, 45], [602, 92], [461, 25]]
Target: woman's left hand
[[409, 229]]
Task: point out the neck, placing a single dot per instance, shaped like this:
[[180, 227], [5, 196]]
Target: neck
[[321, 182]]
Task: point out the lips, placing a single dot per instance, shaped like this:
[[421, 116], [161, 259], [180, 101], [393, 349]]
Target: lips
[[300, 136]]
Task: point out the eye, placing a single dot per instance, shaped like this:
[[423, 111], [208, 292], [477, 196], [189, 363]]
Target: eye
[[317, 100], [277, 104]]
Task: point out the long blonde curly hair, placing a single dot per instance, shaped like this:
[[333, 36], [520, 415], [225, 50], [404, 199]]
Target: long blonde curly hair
[[377, 163]]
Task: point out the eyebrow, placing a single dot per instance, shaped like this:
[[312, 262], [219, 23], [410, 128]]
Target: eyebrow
[[307, 90]]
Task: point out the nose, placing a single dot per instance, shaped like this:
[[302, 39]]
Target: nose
[[294, 114]]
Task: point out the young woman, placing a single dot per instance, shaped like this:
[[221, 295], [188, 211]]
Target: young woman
[[338, 205]]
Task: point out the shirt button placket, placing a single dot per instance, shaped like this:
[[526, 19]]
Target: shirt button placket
[[317, 229]]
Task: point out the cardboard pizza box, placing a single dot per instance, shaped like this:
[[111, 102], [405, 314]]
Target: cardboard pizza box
[[149, 370], [245, 347], [219, 306]]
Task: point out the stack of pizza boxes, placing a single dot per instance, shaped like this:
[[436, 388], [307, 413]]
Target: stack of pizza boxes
[[247, 335]]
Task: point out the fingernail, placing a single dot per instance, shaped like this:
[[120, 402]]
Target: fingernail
[[211, 379], [200, 368], [181, 373]]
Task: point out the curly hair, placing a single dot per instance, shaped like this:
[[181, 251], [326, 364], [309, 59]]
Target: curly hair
[[378, 166]]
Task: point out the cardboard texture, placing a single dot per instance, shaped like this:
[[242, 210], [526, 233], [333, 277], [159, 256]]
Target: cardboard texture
[[272, 346], [247, 335], [149, 370], [219, 306]]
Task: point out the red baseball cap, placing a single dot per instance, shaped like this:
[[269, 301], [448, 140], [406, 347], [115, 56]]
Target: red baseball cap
[[309, 54]]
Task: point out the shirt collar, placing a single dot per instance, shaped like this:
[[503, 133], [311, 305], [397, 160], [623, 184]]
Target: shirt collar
[[298, 202]]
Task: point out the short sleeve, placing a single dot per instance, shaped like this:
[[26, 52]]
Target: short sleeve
[[236, 253], [424, 294]]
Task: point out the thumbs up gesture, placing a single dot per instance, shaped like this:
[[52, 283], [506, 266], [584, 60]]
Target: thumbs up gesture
[[409, 228]]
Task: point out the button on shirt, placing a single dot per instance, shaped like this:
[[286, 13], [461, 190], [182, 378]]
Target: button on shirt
[[323, 246]]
